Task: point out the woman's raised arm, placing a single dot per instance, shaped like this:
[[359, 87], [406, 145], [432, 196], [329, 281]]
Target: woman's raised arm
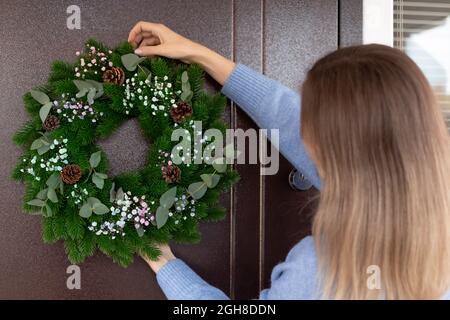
[[270, 104]]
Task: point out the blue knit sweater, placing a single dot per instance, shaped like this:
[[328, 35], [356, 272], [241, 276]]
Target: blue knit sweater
[[273, 106]]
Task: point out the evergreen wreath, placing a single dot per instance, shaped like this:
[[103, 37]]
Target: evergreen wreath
[[65, 172]]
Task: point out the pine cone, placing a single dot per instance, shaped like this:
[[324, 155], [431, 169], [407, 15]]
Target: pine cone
[[114, 75], [171, 173], [51, 123], [71, 174], [181, 111]]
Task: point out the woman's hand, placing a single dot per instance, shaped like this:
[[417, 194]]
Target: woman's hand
[[166, 256], [152, 39]]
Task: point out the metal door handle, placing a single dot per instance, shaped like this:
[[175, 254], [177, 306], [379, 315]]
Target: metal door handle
[[298, 181]]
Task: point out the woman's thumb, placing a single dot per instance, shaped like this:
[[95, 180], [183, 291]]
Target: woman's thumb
[[148, 50]]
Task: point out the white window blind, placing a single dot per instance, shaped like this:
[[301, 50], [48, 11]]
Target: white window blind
[[422, 30]]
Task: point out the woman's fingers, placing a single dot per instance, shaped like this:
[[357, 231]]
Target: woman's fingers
[[151, 41], [149, 47], [156, 39], [143, 36], [150, 50], [143, 27]]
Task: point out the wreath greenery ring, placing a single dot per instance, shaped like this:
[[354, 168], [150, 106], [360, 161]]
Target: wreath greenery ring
[[65, 172]]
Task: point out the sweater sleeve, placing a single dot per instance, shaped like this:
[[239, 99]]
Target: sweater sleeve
[[179, 282], [295, 278], [272, 106]]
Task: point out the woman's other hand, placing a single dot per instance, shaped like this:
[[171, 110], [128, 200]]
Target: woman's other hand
[[152, 39], [166, 256]]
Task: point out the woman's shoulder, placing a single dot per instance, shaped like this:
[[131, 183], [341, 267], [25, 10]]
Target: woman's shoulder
[[304, 248], [295, 278], [303, 254]]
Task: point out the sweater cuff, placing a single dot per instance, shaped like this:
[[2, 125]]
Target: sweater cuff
[[247, 88], [179, 282], [176, 279]]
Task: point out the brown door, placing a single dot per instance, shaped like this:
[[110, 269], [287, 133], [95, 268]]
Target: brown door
[[280, 38]]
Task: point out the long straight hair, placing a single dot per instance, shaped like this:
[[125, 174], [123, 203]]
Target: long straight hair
[[372, 125]]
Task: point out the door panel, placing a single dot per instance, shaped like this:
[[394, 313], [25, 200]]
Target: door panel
[[291, 48], [278, 38]]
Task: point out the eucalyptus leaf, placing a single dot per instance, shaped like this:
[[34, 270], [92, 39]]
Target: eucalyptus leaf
[[81, 93], [131, 60], [35, 213], [186, 86], [207, 178], [186, 95], [168, 197], [43, 149], [140, 231], [99, 182], [92, 88], [229, 152], [82, 85], [220, 165], [61, 188], [92, 201], [143, 70], [162, 214], [85, 210], [112, 192], [47, 212], [38, 143], [211, 180], [101, 175], [53, 181], [45, 110], [95, 158], [100, 208], [197, 189], [98, 86], [149, 76], [51, 195], [184, 77], [40, 97], [42, 195], [91, 95], [120, 194], [36, 203]]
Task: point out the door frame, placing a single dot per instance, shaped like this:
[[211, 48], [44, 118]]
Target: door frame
[[378, 22]]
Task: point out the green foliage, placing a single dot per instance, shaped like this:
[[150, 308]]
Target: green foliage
[[196, 79], [215, 213], [160, 67], [60, 70], [59, 203], [74, 225], [27, 133]]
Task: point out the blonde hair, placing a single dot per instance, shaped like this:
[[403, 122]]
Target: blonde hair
[[372, 125]]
